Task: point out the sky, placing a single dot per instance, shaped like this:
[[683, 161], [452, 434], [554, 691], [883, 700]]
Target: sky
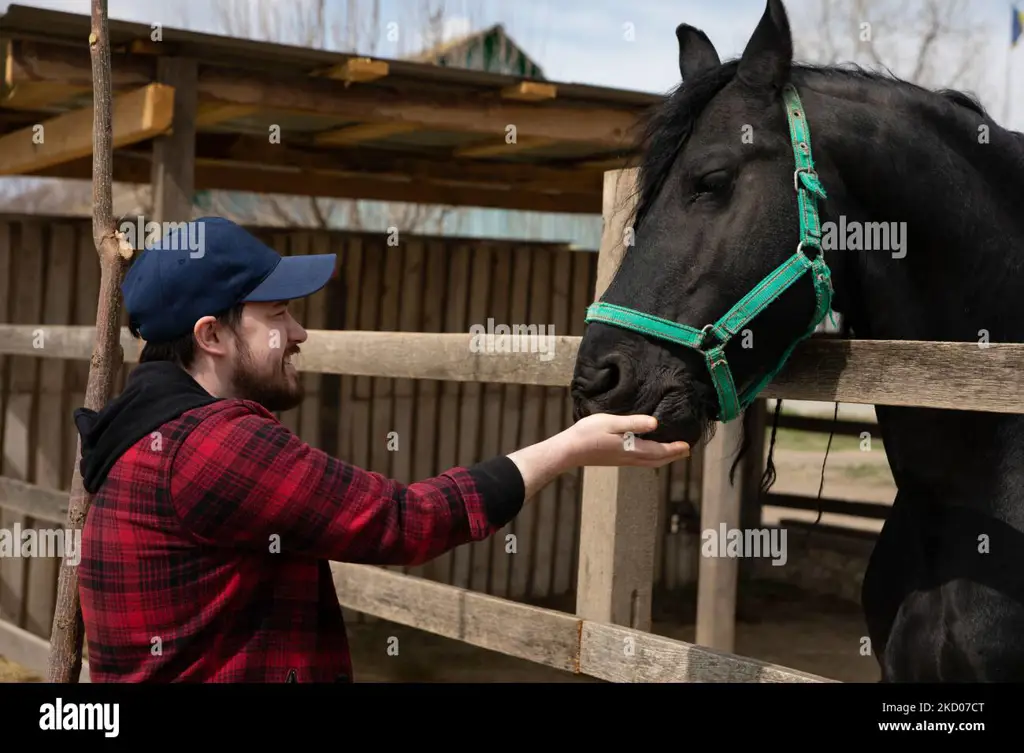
[[625, 44]]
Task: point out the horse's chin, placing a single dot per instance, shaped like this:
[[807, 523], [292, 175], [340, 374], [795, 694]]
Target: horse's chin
[[676, 423]]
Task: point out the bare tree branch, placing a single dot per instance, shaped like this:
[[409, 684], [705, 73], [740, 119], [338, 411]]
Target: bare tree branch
[[933, 43], [67, 634]]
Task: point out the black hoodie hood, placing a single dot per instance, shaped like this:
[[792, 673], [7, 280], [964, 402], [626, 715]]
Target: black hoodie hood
[[154, 394]]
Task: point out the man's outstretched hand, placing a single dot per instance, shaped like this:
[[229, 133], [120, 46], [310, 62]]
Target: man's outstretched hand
[[601, 439], [604, 439]]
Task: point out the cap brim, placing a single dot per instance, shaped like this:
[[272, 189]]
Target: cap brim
[[294, 277]]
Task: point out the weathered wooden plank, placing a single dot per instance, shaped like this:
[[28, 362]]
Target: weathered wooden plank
[[617, 654], [382, 406], [135, 117], [513, 431], [912, 373], [540, 635], [717, 576], [566, 539], [618, 522], [456, 296], [531, 431], [51, 420], [22, 498], [497, 302], [311, 416], [172, 173], [20, 430], [544, 636], [547, 299], [351, 272], [29, 651], [427, 420]]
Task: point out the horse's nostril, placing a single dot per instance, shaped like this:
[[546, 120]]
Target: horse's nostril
[[606, 377], [601, 380]]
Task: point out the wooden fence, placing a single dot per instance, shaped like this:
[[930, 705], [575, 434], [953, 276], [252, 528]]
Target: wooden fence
[[49, 275], [617, 521]]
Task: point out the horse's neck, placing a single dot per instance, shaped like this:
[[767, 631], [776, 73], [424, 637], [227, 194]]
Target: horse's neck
[[961, 279], [960, 275]]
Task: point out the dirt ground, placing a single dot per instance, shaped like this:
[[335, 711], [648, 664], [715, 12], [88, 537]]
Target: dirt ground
[[775, 623]]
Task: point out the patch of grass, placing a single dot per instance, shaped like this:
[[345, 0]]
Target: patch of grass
[[809, 441]]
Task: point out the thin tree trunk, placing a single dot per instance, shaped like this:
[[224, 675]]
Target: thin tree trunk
[[67, 635]]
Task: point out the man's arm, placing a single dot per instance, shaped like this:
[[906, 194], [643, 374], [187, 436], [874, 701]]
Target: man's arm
[[242, 479]]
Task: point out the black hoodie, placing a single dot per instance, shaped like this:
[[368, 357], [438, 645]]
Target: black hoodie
[[154, 394], [161, 391]]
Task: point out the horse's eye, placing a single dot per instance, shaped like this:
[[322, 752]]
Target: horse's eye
[[716, 180]]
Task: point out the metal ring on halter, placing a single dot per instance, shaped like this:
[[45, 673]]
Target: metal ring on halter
[[796, 176], [704, 332]]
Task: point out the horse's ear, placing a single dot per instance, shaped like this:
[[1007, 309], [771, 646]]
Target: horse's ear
[[769, 53], [696, 53]]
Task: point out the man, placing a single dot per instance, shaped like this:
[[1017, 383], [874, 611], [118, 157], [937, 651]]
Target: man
[[207, 544]]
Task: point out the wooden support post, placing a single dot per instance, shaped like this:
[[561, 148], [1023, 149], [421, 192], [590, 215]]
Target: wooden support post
[[719, 504], [619, 519], [751, 469], [174, 154]]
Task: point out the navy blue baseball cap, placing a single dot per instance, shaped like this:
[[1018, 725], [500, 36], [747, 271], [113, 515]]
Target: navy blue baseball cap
[[207, 266]]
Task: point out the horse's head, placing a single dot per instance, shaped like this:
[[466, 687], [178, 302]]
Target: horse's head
[[717, 215]]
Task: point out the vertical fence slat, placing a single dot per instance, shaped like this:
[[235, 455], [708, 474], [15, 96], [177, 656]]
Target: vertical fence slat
[[457, 295], [428, 426], [503, 561], [382, 459], [52, 422], [549, 419], [351, 272], [470, 405], [19, 429], [315, 317], [294, 244]]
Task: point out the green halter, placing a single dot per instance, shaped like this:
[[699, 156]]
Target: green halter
[[807, 186]]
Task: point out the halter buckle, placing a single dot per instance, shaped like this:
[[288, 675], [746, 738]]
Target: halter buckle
[[796, 176]]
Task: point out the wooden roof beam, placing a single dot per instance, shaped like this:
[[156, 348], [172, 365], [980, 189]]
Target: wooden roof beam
[[136, 116], [226, 175], [363, 132], [44, 95], [257, 151], [530, 91], [493, 147], [357, 70], [215, 113], [604, 127]]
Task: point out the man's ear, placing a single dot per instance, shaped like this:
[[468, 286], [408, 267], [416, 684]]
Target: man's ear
[[210, 335]]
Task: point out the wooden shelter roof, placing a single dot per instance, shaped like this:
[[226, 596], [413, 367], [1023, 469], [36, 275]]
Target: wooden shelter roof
[[347, 126]]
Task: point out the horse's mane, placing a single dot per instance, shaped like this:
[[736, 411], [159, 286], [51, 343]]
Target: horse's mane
[[666, 128]]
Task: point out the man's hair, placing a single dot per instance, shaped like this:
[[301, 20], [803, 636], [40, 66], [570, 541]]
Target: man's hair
[[182, 350]]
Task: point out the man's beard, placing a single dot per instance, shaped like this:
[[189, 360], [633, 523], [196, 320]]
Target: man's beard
[[272, 387]]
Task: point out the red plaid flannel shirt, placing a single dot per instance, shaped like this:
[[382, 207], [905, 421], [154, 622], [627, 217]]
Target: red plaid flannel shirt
[[205, 557]]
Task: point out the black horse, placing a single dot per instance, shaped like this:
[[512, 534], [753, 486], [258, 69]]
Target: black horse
[[717, 213]]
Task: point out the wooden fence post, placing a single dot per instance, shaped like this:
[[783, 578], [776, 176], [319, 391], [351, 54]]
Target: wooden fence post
[[717, 575], [619, 517]]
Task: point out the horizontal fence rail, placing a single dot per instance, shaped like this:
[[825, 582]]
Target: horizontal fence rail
[[30, 651], [556, 639], [543, 636], [910, 373]]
